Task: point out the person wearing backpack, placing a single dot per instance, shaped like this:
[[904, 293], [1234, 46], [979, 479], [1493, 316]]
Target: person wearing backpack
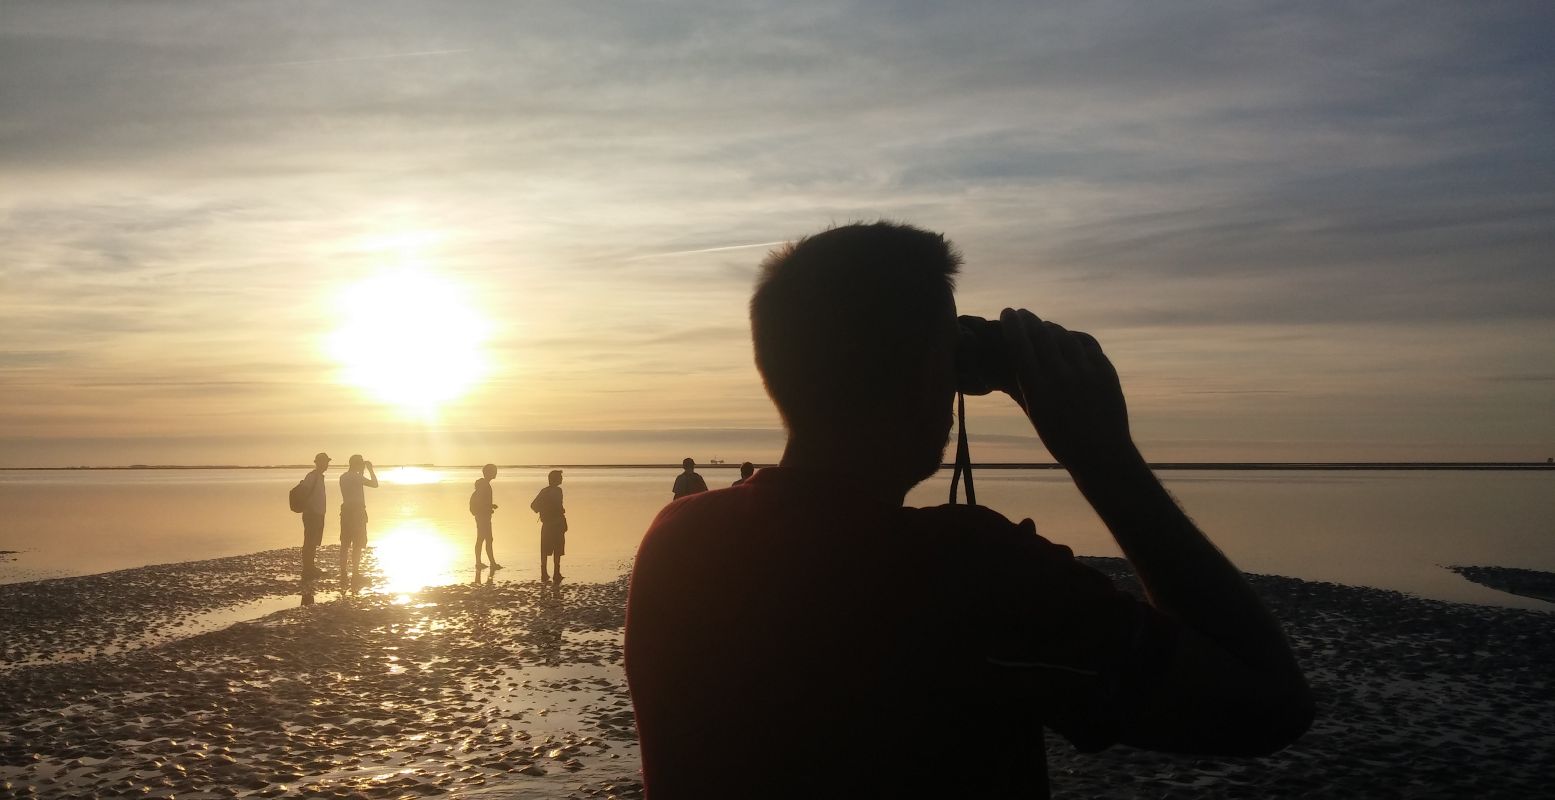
[[309, 498], [553, 524], [482, 508]]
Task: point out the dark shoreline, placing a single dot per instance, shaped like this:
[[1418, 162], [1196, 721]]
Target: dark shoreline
[[1512, 580]]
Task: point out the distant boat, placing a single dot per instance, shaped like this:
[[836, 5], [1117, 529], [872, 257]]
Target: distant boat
[[715, 461]]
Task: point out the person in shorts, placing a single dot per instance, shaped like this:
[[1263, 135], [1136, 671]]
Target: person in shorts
[[553, 525], [482, 507], [353, 520]]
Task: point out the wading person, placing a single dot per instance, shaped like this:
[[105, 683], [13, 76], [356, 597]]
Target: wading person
[[310, 497], [688, 481], [353, 520], [809, 630], [482, 507], [553, 524]]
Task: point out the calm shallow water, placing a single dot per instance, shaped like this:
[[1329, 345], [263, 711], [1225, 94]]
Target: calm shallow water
[[1392, 530]]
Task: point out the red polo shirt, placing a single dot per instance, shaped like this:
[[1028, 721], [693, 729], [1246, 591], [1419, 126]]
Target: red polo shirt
[[790, 637]]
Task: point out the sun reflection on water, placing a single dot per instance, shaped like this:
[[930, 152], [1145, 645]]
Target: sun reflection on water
[[411, 557], [410, 475]]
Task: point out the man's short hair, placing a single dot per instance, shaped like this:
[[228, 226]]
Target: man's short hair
[[840, 319], [554, 477]]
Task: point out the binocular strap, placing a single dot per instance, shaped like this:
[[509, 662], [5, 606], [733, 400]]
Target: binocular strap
[[963, 456]]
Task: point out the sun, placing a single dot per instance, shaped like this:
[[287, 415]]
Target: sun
[[410, 338]]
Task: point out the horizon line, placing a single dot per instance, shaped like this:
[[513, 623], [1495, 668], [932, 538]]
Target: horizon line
[[996, 465]]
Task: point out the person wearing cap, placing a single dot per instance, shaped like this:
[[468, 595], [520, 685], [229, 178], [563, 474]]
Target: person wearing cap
[[353, 520], [689, 482], [313, 523]]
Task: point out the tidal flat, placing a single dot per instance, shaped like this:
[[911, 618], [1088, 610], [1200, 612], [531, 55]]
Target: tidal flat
[[139, 683]]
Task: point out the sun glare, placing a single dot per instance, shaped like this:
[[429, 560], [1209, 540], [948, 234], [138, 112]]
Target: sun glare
[[410, 475], [410, 338], [412, 556]]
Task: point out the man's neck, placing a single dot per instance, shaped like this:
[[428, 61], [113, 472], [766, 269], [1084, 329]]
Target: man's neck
[[865, 467]]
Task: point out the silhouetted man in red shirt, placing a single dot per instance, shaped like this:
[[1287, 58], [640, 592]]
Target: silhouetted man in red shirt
[[805, 635]]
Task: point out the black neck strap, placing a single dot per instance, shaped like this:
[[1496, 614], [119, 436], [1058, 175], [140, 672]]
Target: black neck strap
[[963, 456]]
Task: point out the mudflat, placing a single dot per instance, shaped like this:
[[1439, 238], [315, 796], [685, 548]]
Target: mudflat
[[138, 683]]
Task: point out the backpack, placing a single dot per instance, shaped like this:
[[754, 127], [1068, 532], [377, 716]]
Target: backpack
[[298, 497], [477, 507]]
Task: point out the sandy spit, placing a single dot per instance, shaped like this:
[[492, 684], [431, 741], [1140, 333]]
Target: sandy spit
[[1526, 582]]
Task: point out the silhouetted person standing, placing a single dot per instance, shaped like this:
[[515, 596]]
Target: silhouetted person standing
[[746, 471], [836, 617], [314, 508], [553, 524], [689, 482], [482, 507], [353, 520]]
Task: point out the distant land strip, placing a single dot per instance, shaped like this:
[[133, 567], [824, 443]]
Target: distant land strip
[[1481, 466]]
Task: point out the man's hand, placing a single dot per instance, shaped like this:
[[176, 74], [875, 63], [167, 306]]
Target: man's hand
[[1068, 389]]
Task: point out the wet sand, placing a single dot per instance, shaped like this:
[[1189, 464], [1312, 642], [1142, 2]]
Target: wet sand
[[497, 690], [515, 689]]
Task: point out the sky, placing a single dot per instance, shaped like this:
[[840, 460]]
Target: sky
[[1303, 232]]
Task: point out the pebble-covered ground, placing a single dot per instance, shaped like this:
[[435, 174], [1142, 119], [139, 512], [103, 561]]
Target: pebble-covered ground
[[502, 689], [1416, 699], [516, 689]]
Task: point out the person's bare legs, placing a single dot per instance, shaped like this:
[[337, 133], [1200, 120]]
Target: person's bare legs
[[490, 559], [356, 565], [344, 575], [478, 539], [543, 576], [308, 551], [556, 565]]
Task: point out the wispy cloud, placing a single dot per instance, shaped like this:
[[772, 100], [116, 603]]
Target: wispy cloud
[[189, 187]]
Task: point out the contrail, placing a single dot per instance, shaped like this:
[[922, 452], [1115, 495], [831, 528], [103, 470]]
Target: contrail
[[707, 250], [413, 54]]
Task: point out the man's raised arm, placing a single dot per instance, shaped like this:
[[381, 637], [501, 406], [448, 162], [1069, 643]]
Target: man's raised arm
[[1233, 686]]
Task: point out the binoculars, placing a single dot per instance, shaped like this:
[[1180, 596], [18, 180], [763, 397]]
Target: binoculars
[[980, 363]]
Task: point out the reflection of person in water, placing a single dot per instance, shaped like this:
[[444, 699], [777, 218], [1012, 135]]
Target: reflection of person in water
[[353, 520], [553, 524], [746, 471], [953, 614], [481, 506], [689, 482]]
